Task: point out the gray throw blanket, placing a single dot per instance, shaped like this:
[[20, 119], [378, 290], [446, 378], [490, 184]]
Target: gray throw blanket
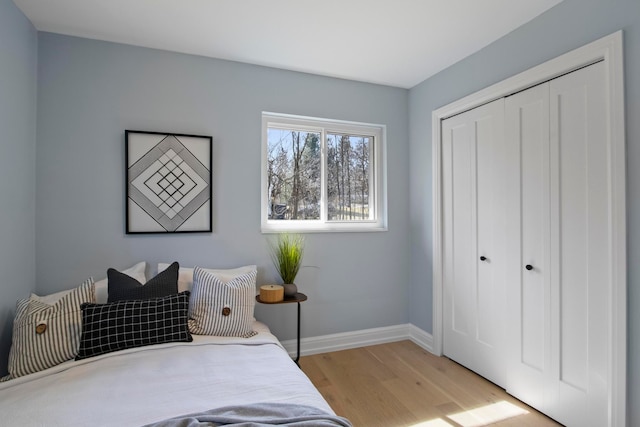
[[258, 415]]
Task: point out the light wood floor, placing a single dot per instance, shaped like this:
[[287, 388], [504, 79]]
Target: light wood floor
[[400, 384]]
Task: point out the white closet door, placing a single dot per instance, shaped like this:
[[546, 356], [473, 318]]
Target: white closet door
[[474, 239], [581, 247], [528, 273], [559, 309]]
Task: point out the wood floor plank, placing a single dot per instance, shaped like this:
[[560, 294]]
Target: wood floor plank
[[356, 378], [401, 385]]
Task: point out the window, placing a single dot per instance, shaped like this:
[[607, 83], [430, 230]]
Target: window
[[322, 175]]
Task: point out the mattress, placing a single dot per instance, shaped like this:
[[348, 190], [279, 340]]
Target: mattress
[[148, 384]]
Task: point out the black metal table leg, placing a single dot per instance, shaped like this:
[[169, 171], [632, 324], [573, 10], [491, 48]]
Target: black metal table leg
[[297, 298], [298, 355]]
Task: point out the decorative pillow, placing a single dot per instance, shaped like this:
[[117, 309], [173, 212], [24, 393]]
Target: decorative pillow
[[50, 299], [123, 287], [133, 323], [223, 309], [185, 275], [137, 272], [46, 335]]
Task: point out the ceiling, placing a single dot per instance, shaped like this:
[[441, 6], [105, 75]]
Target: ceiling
[[392, 42]]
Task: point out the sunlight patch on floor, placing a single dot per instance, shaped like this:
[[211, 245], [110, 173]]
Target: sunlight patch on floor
[[487, 414], [478, 417], [438, 422]]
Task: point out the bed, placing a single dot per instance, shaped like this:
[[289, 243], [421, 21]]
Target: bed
[[226, 379]]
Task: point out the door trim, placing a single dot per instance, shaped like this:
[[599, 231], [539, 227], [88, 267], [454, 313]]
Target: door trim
[[608, 49]]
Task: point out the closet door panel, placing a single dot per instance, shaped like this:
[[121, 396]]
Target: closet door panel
[[528, 288], [473, 239], [463, 234], [460, 263], [533, 126], [491, 215], [581, 277]]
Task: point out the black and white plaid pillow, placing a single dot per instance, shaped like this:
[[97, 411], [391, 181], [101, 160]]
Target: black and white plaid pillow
[[134, 323]]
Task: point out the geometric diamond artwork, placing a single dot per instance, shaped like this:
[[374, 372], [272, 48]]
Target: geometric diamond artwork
[[168, 182]]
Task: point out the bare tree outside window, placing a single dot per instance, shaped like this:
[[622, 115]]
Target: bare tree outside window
[[348, 159], [293, 174]]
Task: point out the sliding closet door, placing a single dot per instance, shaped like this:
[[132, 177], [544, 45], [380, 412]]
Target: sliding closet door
[[474, 239]]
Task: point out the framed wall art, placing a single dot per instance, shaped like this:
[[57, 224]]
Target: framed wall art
[[168, 182]]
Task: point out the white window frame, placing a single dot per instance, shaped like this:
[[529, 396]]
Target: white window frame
[[378, 170]]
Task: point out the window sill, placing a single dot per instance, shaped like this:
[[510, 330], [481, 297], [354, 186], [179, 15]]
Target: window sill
[[340, 227]]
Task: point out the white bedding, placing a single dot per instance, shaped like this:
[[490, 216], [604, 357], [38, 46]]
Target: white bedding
[[146, 384]]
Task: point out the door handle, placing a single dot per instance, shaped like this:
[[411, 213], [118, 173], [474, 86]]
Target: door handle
[[483, 258], [529, 267]]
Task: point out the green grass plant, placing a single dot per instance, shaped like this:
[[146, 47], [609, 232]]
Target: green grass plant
[[286, 253]]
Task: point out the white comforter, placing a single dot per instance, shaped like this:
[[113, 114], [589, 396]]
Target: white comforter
[[142, 385]]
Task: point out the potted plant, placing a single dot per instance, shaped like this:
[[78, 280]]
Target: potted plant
[[286, 253]]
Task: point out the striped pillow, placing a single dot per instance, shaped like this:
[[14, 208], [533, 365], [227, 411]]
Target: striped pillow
[[46, 335], [222, 309]]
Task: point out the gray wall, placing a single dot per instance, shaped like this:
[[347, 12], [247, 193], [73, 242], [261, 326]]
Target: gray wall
[[89, 92], [569, 25], [18, 70]]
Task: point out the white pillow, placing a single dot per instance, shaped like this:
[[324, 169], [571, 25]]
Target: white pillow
[[185, 275], [51, 298], [101, 289]]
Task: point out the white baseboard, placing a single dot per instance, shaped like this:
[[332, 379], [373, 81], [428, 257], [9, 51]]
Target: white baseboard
[[421, 338], [362, 338]]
